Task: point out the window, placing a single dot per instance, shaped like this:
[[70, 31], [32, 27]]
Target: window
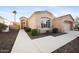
[[45, 22], [48, 24]]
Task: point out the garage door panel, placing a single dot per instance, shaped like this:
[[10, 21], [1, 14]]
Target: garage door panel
[[66, 27]]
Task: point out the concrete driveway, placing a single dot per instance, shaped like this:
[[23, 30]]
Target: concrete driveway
[[43, 45], [50, 43]]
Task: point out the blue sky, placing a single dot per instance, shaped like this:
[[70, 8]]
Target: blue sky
[[6, 11]]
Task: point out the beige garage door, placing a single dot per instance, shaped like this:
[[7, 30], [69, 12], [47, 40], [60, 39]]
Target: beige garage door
[[66, 27]]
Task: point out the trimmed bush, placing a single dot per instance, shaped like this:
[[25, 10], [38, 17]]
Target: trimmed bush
[[34, 32], [27, 29], [47, 31], [55, 30]]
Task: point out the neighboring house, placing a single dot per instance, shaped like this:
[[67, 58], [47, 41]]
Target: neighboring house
[[14, 25], [2, 20], [6, 22], [46, 21]]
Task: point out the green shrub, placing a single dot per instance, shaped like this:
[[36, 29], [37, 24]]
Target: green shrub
[[55, 30], [27, 29], [2, 27], [34, 32]]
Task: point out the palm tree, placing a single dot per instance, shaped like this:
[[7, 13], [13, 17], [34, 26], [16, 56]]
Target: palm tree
[[14, 12]]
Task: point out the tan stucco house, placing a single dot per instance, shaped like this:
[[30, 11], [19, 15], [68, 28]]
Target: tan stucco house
[[46, 21], [64, 23]]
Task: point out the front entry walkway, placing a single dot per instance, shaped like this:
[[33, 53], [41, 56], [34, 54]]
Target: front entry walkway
[[23, 44], [43, 45]]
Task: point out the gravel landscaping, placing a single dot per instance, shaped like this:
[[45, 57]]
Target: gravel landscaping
[[72, 47], [44, 34], [7, 40]]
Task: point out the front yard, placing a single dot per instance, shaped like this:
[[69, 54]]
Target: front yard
[[7, 40], [34, 33], [44, 35], [61, 44]]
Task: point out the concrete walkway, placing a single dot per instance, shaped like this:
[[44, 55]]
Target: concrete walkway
[[23, 44], [43, 45]]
